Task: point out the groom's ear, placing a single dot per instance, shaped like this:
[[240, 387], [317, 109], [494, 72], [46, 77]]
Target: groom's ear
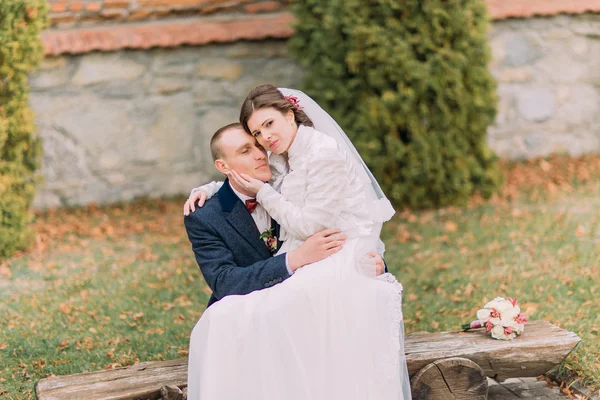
[[222, 166]]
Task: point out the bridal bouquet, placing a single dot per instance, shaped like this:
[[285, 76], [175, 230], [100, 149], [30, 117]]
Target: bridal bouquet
[[501, 317]]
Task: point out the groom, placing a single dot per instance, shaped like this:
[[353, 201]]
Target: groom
[[226, 232]]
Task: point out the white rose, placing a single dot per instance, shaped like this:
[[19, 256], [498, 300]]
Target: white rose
[[504, 305], [483, 315], [495, 303], [498, 332]]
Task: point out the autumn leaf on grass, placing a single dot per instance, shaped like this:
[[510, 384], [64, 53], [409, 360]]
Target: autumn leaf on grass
[[65, 308], [63, 345], [3, 346], [443, 267], [154, 285], [456, 299], [451, 226], [138, 315], [411, 297], [180, 319], [183, 301], [113, 366], [4, 270]]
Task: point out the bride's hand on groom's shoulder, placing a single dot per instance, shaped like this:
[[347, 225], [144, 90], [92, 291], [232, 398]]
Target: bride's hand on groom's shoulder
[[190, 204]]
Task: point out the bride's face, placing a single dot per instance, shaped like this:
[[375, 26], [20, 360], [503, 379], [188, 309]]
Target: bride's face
[[272, 129]]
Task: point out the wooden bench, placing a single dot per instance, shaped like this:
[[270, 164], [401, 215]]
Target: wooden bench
[[441, 366]]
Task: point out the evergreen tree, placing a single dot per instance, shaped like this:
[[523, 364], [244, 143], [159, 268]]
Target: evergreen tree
[[20, 52], [409, 82]]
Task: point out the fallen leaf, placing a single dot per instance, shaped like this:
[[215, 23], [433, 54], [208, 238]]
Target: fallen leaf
[[451, 226]]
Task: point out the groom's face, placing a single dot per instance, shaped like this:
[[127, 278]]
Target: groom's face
[[242, 153]]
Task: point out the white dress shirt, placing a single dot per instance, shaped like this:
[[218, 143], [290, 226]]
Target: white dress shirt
[[261, 218]]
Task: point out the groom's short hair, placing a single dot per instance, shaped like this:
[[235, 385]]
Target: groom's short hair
[[215, 147]]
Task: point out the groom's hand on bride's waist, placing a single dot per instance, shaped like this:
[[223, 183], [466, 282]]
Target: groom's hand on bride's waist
[[317, 247]]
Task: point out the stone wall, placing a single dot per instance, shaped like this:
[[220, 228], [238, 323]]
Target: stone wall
[[548, 72], [120, 125], [131, 123]]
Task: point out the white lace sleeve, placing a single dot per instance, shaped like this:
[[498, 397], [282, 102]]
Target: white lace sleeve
[[326, 178], [210, 188]]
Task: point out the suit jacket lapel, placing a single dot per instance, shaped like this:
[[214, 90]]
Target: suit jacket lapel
[[275, 227], [240, 219]]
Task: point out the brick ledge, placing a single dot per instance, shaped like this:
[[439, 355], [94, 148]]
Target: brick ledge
[[146, 35], [503, 9], [165, 34]]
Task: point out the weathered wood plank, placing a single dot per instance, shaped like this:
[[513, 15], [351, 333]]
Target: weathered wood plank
[[142, 381], [523, 388], [540, 348]]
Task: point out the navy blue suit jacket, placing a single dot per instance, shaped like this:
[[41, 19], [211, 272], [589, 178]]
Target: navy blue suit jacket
[[232, 257]]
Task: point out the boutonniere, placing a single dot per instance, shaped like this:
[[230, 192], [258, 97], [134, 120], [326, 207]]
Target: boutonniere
[[270, 240]]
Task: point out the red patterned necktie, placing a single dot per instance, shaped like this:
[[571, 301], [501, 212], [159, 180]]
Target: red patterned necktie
[[251, 205]]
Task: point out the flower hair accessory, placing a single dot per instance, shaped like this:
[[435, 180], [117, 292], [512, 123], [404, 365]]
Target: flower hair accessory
[[294, 100]]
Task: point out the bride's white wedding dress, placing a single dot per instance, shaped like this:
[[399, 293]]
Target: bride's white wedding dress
[[328, 332]]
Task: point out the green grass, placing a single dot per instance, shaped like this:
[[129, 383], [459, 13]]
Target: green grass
[[117, 285]]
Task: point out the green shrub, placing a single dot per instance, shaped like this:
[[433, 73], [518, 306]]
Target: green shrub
[[20, 52], [409, 82]]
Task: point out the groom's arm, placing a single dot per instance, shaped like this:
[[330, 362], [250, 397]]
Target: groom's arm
[[219, 268]]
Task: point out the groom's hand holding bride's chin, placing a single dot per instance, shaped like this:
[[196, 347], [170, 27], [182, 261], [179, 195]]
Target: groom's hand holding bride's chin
[[317, 247]]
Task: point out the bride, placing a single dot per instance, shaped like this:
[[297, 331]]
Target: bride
[[332, 330]]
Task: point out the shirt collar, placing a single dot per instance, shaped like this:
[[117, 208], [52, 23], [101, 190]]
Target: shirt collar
[[242, 196]]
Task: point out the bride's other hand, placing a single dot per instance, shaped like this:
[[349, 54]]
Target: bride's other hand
[[380, 266], [252, 185], [190, 204], [371, 265]]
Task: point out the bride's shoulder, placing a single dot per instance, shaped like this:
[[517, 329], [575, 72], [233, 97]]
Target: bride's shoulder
[[324, 146]]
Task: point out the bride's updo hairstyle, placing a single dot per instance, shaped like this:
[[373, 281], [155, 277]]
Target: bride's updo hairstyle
[[268, 96]]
